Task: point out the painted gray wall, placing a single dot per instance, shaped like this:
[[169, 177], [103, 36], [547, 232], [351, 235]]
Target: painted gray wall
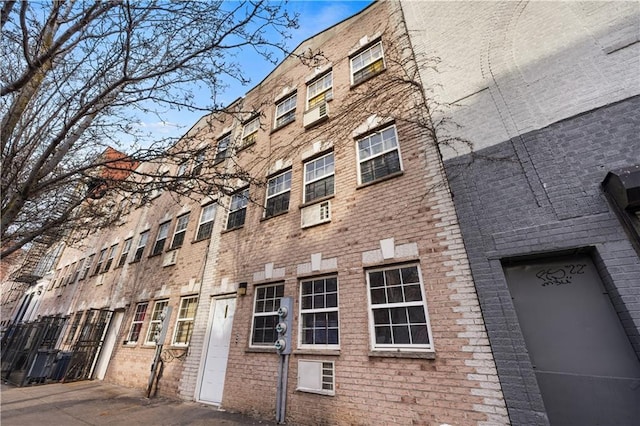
[[540, 193]]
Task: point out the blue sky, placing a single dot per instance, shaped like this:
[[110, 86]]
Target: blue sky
[[314, 17]]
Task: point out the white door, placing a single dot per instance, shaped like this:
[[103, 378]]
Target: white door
[[215, 364], [108, 345]]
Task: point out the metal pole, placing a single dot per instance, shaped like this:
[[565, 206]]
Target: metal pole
[[154, 369]]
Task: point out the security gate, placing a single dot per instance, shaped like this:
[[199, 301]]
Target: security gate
[[586, 369], [28, 350], [87, 345]]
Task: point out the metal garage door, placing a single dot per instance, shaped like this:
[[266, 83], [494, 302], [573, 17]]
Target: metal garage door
[[586, 368]]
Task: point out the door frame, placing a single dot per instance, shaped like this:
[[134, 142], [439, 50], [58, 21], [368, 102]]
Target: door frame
[[205, 345]]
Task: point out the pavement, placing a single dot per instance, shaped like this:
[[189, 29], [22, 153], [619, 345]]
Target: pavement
[[99, 403]]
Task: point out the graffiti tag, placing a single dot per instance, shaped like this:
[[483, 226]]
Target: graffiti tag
[[561, 275]]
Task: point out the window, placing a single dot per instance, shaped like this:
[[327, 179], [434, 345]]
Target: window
[[136, 324], [367, 63], [207, 215], [182, 168], [221, 150], [144, 236], [186, 317], [198, 163], [63, 277], [163, 231], [238, 209], [125, 252], [265, 314], [286, 110], [278, 191], [319, 312], [320, 90], [249, 132], [318, 178], [101, 258], [398, 310], [87, 267], [112, 255], [180, 231], [378, 155], [156, 321], [76, 271]]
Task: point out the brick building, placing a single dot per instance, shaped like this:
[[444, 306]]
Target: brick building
[[345, 212], [354, 223], [547, 94]]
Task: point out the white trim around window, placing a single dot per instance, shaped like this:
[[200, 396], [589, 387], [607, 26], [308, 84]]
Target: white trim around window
[[185, 320], [265, 315], [320, 90], [367, 63], [378, 155], [205, 226], [137, 322], [398, 316], [156, 322], [319, 178], [181, 230], [285, 110], [318, 325], [278, 194]]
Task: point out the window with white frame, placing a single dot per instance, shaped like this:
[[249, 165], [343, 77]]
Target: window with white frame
[[125, 252], [182, 168], [265, 314], [186, 317], [286, 110], [112, 255], [142, 242], [161, 238], [137, 322], [316, 376], [319, 313], [181, 230], [205, 226], [318, 178], [378, 155], [222, 148], [238, 209], [367, 63], [87, 267], [101, 259], [198, 162], [278, 194], [250, 132], [398, 310], [320, 90], [156, 321]]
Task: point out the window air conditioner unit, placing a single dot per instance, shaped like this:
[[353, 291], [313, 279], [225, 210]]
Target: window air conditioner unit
[[316, 114], [170, 258], [316, 214], [316, 377]]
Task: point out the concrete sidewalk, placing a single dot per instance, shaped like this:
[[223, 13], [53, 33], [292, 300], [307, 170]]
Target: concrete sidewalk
[[99, 403]]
